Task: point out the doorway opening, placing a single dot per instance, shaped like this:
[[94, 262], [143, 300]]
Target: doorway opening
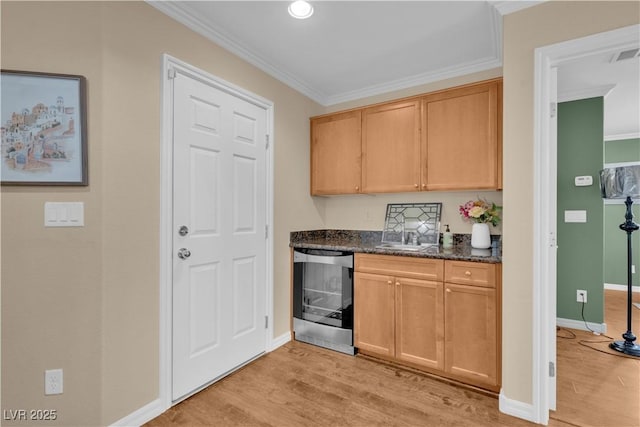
[[545, 155]]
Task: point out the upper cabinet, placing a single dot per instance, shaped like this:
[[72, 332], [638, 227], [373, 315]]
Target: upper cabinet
[[460, 144], [335, 154], [391, 148], [445, 140]]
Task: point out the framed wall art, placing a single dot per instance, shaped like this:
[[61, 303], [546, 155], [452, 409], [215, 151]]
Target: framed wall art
[[44, 129]]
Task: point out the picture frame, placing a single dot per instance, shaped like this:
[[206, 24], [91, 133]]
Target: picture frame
[[44, 129]]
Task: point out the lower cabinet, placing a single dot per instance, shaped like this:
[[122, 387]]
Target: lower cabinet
[[470, 333], [438, 315], [373, 314], [419, 322]]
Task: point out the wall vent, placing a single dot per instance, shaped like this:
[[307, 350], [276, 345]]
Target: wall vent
[[625, 54]]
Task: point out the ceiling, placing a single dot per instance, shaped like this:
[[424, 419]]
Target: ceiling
[[618, 81], [350, 50]]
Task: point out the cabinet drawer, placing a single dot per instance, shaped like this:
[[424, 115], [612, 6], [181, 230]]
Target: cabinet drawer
[[470, 273], [393, 265]]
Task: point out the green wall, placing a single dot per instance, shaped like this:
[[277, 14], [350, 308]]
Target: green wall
[[580, 245], [615, 240], [624, 150]]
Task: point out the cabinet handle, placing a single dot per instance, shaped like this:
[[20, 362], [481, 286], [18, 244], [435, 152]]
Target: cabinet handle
[[357, 188], [424, 185], [416, 185], [467, 273], [448, 290], [388, 282], [397, 283]]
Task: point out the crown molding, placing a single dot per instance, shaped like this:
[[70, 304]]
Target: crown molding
[[622, 136], [496, 33], [416, 80], [512, 6], [585, 93], [183, 13]]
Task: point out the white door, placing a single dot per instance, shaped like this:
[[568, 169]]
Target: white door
[[219, 206]]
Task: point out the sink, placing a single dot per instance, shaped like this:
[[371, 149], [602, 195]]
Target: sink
[[400, 247]]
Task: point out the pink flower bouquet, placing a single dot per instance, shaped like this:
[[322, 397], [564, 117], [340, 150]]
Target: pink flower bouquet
[[481, 211]]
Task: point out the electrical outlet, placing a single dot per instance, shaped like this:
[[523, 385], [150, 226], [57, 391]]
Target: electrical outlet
[[581, 295], [53, 381]]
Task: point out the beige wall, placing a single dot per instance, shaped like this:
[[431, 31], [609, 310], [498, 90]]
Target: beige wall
[[542, 25], [367, 212], [52, 278], [86, 299]]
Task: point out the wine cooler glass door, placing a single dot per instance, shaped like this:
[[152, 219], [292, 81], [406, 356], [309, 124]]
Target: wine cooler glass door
[[325, 290]]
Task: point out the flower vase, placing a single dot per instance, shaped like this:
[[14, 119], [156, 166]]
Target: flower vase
[[480, 236]]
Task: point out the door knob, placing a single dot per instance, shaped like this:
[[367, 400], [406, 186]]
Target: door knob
[[183, 231], [184, 253]]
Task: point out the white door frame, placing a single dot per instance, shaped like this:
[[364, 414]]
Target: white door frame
[[545, 153], [172, 65]]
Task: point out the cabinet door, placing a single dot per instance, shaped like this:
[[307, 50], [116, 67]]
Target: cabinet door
[[335, 154], [420, 322], [391, 148], [471, 334], [373, 314], [460, 139]]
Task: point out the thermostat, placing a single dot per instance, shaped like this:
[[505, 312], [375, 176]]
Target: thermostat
[[584, 181]]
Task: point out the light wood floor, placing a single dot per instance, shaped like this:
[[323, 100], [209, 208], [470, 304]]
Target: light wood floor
[[303, 385], [595, 385]]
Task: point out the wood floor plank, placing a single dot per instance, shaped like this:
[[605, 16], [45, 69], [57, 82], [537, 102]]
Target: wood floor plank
[[303, 385]]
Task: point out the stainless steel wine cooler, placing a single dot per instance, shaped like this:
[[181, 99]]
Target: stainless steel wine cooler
[[323, 298]]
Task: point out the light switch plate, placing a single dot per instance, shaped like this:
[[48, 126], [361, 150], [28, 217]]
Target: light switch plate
[[64, 214], [575, 216], [53, 381]]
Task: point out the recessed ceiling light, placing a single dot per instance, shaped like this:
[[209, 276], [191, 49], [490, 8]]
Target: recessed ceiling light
[[300, 9]]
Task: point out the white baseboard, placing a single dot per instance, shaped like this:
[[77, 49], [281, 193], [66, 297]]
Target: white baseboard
[[515, 408], [156, 408], [280, 341], [579, 324], [615, 287], [142, 415]]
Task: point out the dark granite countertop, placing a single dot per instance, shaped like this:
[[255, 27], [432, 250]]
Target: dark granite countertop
[[367, 242]]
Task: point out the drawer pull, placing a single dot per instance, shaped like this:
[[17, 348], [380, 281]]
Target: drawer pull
[[388, 282], [448, 290], [467, 273]]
